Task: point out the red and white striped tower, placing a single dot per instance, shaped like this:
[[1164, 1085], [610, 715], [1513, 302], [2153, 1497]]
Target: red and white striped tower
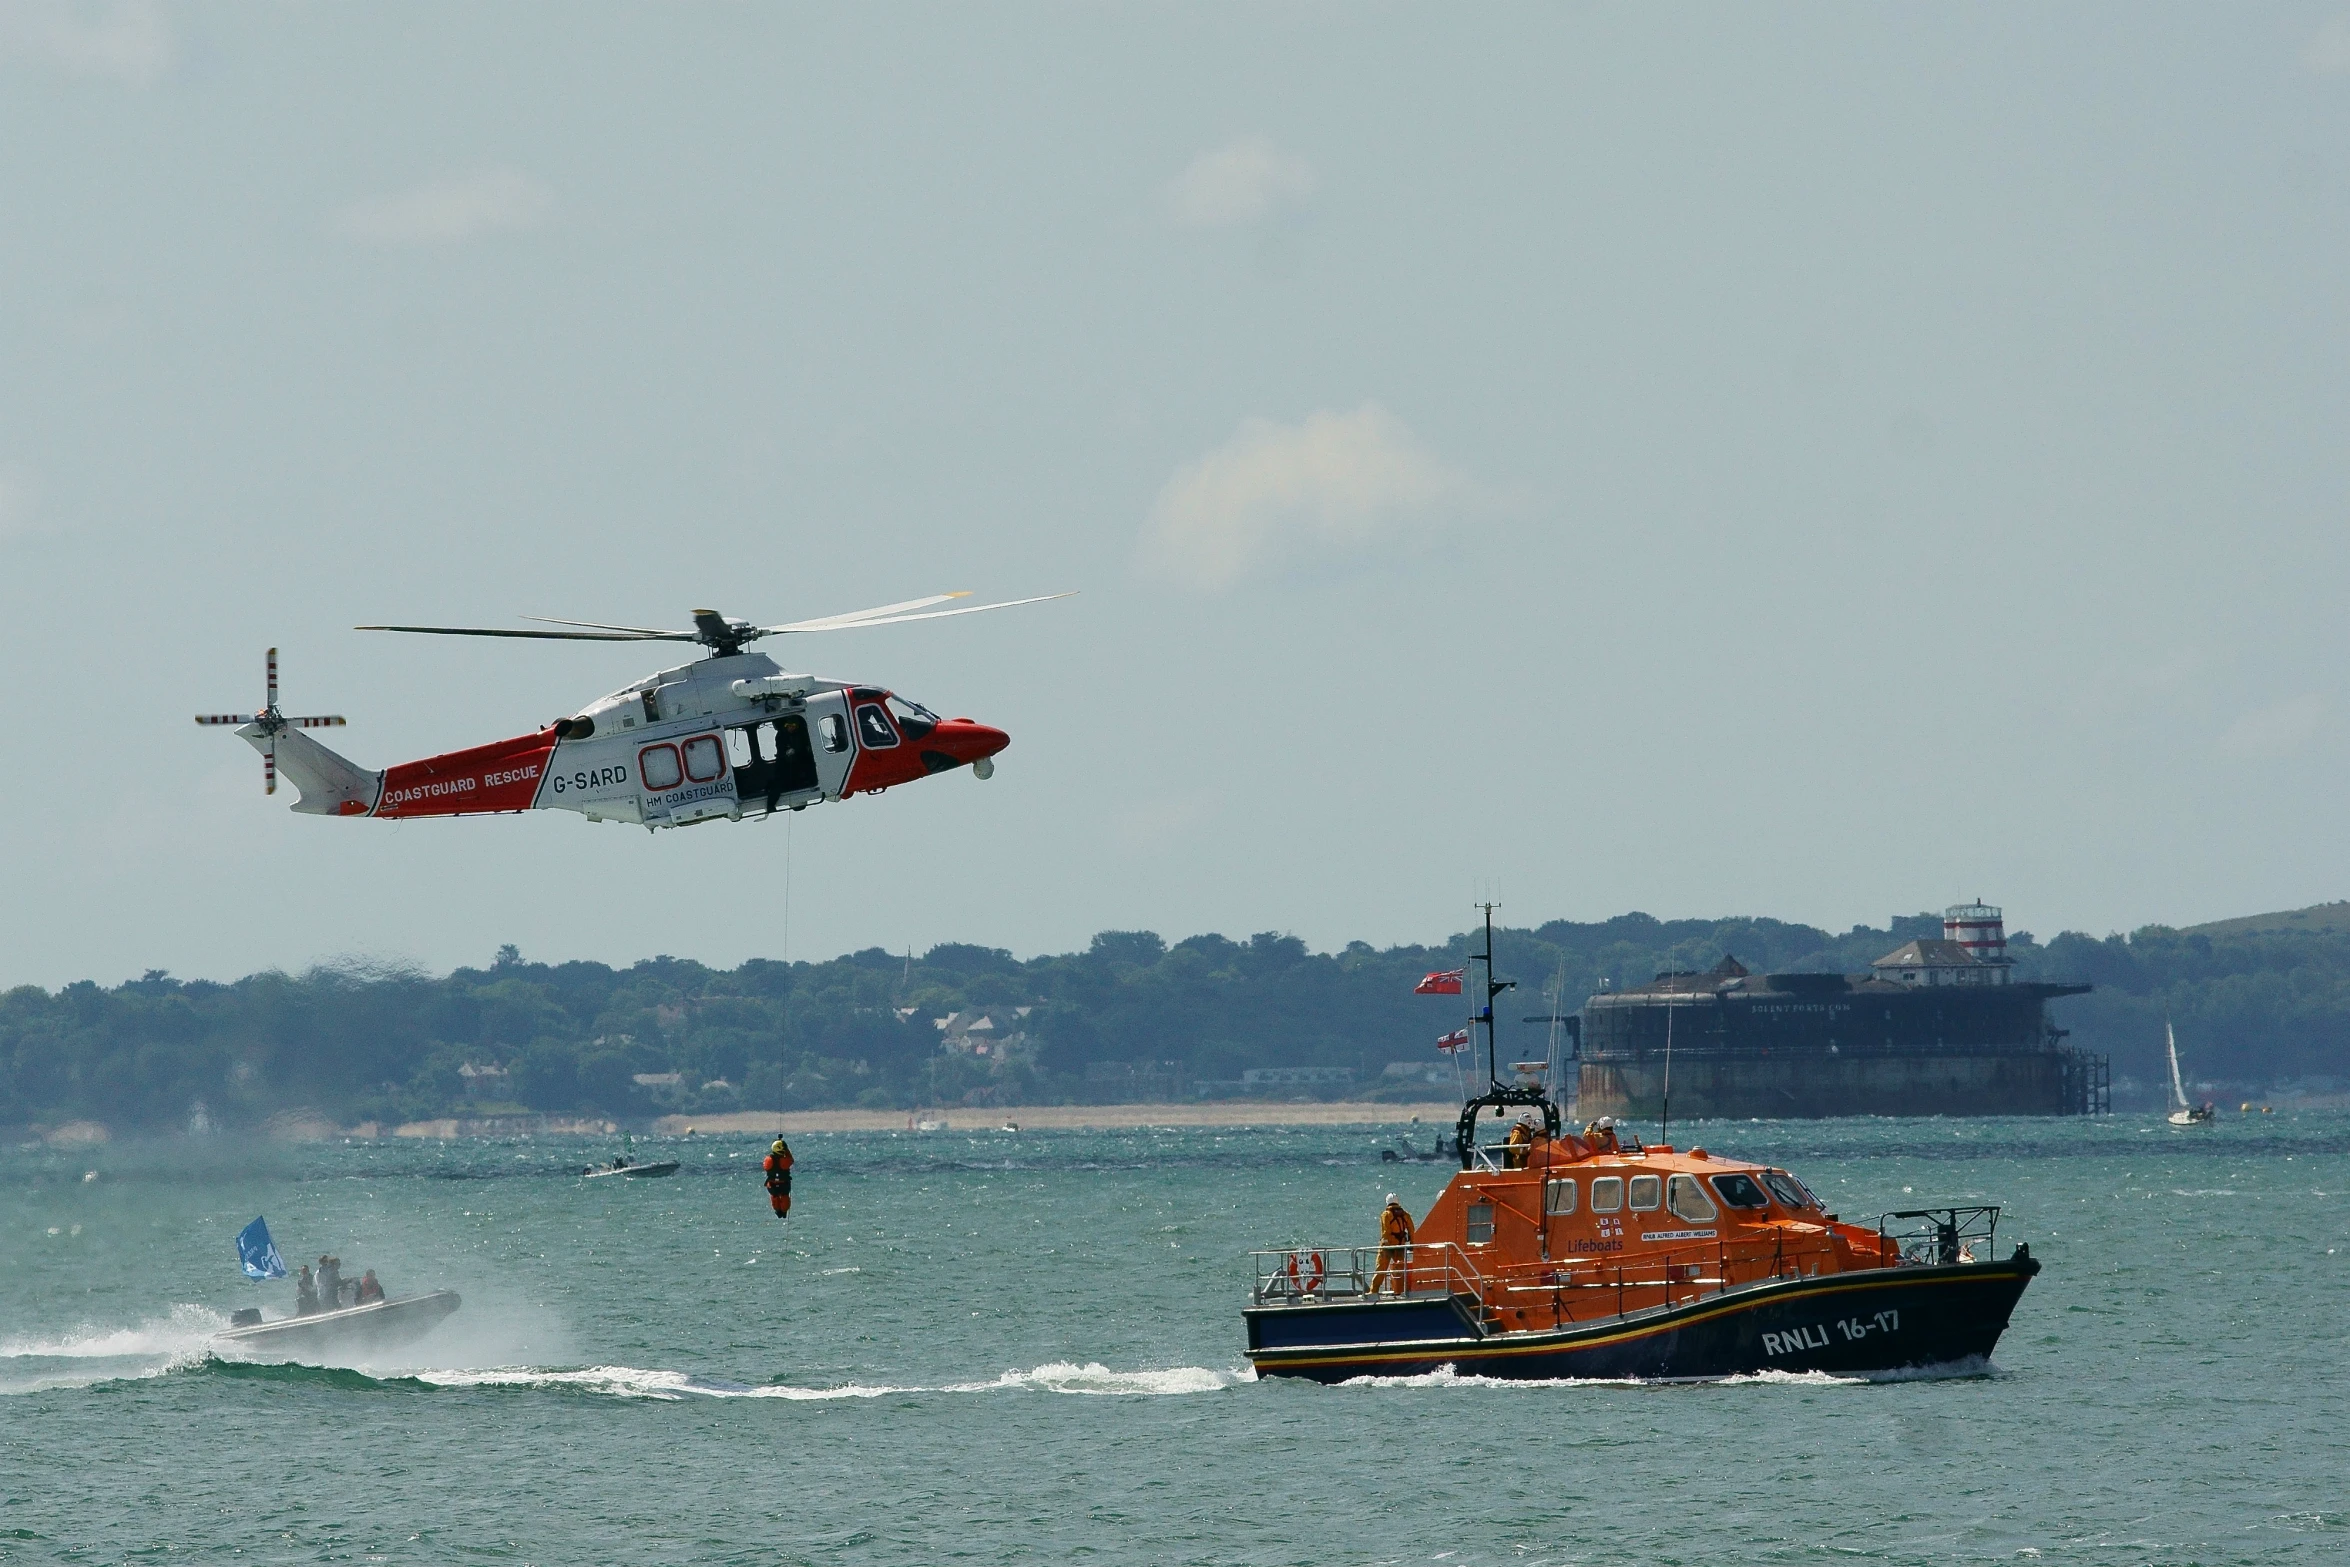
[[1979, 928]]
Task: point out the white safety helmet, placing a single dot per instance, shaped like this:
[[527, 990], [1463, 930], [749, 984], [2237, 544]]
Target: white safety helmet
[[1391, 1196], [1607, 1123]]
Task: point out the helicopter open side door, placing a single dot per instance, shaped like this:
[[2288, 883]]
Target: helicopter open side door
[[774, 762], [834, 742]]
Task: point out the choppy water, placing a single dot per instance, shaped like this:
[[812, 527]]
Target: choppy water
[[1009, 1348]]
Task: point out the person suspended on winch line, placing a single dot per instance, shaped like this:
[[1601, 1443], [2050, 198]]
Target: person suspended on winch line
[[1395, 1247], [777, 1164]]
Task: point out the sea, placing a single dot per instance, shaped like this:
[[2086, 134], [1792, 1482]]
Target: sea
[[1026, 1347]]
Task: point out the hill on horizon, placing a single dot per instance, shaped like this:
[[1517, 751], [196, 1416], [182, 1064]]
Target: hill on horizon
[[2261, 1003]]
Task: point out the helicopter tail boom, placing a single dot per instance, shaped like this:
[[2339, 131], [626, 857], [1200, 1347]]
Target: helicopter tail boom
[[331, 784]]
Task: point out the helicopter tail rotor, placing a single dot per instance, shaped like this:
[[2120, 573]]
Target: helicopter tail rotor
[[270, 724]]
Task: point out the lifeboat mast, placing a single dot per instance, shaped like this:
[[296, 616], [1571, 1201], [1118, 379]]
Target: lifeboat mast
[[1501, 1096]]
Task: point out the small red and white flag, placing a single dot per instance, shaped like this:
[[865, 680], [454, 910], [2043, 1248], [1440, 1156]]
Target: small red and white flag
[[1458, 1039], [1445, 982]]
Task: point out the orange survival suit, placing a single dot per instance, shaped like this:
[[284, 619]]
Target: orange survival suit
[[777, 1164], [1395, 1247]]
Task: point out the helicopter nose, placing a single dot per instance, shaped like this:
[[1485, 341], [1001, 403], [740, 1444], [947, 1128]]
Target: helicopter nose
[[966, 741]]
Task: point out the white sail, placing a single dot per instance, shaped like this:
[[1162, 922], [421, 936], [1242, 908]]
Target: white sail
[[2178, 1089]]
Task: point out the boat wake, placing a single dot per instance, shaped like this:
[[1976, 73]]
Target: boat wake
[[632, 1382], [182, 1343], [1446, 1376], [90, 1354]]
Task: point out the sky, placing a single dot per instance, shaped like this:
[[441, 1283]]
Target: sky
[[1817, 461]]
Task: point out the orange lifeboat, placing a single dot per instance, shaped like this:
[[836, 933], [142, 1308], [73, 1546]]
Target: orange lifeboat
[[1554, 1254]]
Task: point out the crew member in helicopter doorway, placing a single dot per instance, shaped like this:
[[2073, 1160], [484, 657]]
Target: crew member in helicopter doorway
[[778, 1167]]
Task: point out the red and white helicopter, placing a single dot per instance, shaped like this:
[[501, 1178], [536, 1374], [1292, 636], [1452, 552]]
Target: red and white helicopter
[[732, 736]]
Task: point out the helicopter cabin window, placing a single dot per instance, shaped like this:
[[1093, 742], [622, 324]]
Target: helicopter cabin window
[[1647, 1192], [1558, 1196], [738, 748], [835, 730], [1789, 1190], [705, 761], [657, 765], [1687, 1199], [873, 730], [1607, 1193], [1480, 1228], [914, 720], [1740, 1191]]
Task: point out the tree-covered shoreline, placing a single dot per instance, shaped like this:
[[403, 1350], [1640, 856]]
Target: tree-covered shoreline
[[2258, 1004]]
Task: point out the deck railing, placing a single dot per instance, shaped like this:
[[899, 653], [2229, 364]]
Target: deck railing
[[1940, 1235], [1602, 1287]]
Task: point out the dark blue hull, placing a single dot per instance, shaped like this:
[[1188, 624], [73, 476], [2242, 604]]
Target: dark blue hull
[[1863, 1323]]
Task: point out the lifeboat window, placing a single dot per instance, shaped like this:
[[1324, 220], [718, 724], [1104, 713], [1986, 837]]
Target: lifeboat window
[[873, 728], [1607, 1193], [914, 720], [704, 759], [1558, 1196], [1480, 1223], [835, 730], [657, 765], [1648, 1191], [1789, 1190], [1740, 1191], [1687, 1199]]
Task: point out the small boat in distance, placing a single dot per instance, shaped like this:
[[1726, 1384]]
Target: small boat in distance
[[2181, 1112], [622, 1164], [376, 1325]]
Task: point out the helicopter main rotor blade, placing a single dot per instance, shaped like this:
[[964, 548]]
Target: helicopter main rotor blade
[[883, 616], [597, 625], [878, 610], [545, 636]]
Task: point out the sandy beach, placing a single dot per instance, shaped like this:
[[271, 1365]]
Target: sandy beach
[[1061, 1117]]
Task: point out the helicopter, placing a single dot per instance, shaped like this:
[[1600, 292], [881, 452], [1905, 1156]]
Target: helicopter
[[733, 735]]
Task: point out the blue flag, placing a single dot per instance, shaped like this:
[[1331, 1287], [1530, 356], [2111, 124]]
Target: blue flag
[[259, 1253]]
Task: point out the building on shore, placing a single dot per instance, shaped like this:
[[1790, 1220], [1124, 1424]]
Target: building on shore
[[1934, 1028]]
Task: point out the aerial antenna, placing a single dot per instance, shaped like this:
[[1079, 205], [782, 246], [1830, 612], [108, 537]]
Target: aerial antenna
[[273, 723], [1664, 1125]]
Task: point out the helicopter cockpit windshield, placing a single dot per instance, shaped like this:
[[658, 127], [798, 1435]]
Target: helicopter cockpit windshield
[[915, 721]]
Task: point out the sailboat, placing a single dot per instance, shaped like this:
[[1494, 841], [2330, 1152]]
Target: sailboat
[[2182, 1113]]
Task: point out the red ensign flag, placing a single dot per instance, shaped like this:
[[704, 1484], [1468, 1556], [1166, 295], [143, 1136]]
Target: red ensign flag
[[1446, 982]]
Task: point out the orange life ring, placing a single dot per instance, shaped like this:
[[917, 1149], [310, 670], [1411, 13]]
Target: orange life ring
[[1311, 1279]]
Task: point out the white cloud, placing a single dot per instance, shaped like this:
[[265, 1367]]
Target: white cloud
[[128, 42], [1238, 183], [448, 211], [2328, 50], [1276, 494], [2275, 731]]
